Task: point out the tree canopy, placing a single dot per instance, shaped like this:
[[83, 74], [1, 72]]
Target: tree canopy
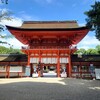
[[4, 15], [4, 1], [89, 51], [4, 50], [93, 18]]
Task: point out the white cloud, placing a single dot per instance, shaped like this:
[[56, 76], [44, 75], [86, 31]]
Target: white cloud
[[16, 44], [25, 16], [28, 17], [13, 22], [13, 42], [10, 41], [7, 19], [4, 11], [82, 24], [88, 42]]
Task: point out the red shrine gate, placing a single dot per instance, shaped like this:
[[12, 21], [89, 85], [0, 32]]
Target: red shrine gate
[[60, 58], [49, 43]]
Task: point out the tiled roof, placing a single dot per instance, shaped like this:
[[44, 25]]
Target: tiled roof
[[13, 57], [85, 58], [23, 58], [49, 24]]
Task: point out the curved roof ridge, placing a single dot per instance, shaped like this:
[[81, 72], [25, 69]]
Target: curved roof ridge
[[65, 21]]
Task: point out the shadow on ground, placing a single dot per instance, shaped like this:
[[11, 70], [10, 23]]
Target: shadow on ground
[[48, 89]]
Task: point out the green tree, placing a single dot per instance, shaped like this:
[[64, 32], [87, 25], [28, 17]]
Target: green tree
[[81, 51], [4, 15], [91, 51], [98, 49], [93, 20], [4, 50]]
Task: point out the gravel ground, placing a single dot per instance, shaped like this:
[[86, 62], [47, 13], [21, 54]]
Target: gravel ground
[[49, 89]]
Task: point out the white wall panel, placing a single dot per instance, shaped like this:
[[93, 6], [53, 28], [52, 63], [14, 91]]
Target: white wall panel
[[15, 68], [2, 69], [49, 60], [63, 60], [34, 60]]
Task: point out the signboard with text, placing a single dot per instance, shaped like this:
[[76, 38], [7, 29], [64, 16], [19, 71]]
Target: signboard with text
[[27, 71], [97, 73]]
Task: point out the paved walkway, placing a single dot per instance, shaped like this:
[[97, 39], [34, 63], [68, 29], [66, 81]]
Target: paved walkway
[[49, 89], [50, 74]]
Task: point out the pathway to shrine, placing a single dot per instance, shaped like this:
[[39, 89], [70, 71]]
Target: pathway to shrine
[[49, 89]]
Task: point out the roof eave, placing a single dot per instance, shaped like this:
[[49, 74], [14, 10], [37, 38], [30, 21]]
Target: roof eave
[[20, 28]]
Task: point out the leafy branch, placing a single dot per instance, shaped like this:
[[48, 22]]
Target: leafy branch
[[4, 1], [93, 19]]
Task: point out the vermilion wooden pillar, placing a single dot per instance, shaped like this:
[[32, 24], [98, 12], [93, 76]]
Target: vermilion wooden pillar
[[58, 66], [69, 67], [8, 70], [28, 63], [32, 69], [39, 69], [80, 70]]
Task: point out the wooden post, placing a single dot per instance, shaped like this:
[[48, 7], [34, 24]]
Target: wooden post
[[32, 69], [69, 68], [39, 66], [80, 69], [58, 65], [6, 74], [8, 71], [28, 63]]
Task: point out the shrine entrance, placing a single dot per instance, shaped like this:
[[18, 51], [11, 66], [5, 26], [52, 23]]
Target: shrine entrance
[[46, 70], [50, 70], [49, 67], [49, 60]]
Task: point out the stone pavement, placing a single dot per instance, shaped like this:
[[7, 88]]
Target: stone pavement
[[47, 88]]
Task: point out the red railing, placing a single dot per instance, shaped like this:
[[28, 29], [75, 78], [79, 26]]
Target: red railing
[[48, 47]]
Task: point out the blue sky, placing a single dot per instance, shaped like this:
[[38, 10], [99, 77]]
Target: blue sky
[[48, 10]]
